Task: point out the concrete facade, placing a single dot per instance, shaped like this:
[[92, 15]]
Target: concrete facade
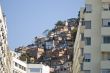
[[78, 46], [5, 62], [95, 26]]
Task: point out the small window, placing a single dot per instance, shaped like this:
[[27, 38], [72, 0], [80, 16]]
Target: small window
[[35, 69], [0, 58], [2, 29], [81, 66], [109, 6], [20, 66], [105, 71], [87, 71], [65, 69], [87, 24], [106, 22], [82, 36], [83, 23], [105, 6], [61, 69], [106, 39], [16, 64], [88, 8], [87, 57], [105, 56], [0, 21], [87, 41], [1, 43]]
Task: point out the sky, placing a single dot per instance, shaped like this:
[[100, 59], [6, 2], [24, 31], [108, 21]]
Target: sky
[[27, 19]]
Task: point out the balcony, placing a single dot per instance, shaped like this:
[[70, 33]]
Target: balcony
[[105, 64], [81, 59], [82, 72], [105, 31], [105, 47], [105, 0], [87, 66], [106, 14], [82, 29], [82, 44]]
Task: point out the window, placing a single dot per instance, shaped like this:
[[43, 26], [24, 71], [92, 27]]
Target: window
[[88, 8], [105, 71], [61, 69], [1, 43], [109, 6], [87, 24], [87, 41], [35, 69], [87, 71], [81, 66], [0, 21], [106, 56], [20, 66], [106, 22], [16, 64], [83, 23], [82, 36], [65, 69], [3, 35], [0, 58], [105, 7], [87, 57], [2, 29], [106, 39], [24, 69]]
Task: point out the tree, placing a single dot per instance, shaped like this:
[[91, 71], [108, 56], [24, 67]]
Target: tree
[[73, 33], [24, 56], [59, 25]]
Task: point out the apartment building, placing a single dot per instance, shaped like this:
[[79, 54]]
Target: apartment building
[[19, 66], [5, 62], [78, 46], [93, 54]]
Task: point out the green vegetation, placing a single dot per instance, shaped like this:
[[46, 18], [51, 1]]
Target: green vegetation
[[60, 23], [27, 57], [24, 57], [73, 34]]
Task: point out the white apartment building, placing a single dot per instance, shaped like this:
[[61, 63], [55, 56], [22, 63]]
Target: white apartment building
[[93, 54], [97, 36], [19, 66], [37, 68], [5, 62], [79, 46]]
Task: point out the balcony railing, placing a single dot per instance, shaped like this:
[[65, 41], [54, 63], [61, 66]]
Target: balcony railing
[[105, 0], [105, 47], [105, 64]]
